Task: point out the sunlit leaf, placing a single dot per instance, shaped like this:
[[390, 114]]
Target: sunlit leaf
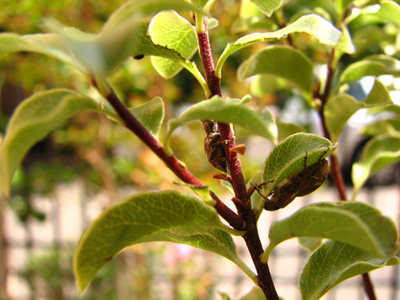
[[314, 25], [288, 157], [150, 115], [223, 296], [152, 216], [333, 263], [122, 36], [389, 11], [35, 118], [340, 108], [255, 294], [374, 65], [170, 30], [267, 6], [310, 244], [218, 110], [279, 61], [268, 83], [287, 129], [249, 10], [341, 5], [206, 4], [352, 222], [390, 126], [380, 152]]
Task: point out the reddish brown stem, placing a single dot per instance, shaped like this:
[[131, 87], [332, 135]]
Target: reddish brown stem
[[368, 287], [238, 183], [213, 81], [335, 171], [256, 250], [251, 236]]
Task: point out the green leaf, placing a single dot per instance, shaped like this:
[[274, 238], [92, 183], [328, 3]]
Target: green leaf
[[152, 216], [52, 45], [355, 223], [257, 202], [345, 43], [224, 296], [389, 11], [233, 112], [333, 263], [170, 30], [380, 152], [314, 25], [267, 6], [310, 244], [206, 4], [390, 127], [339, 109], [122, 36], [279, 61], [249, 10], [269, 83], [255, 293], [287, 129], [144, 46], [341, 5], [35, 118], [150, 115], [374, 65], [288, 157]]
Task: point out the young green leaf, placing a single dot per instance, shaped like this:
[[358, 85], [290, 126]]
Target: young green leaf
[[255, 293], [287, 129], [373, 65], [150, 115], [267, 6], [310, 244], [170, 30], [288, 157], [343, 262], [389, 11], [279, 61], [249, 10], [122, 36], [314, 25], [224, 296], [206, 4], [355, 223], [218, 110], [257, 202], [152, 216], [390, 127], [380, 152], [341, 5], [345, 43], [340, 108], [35, 118]]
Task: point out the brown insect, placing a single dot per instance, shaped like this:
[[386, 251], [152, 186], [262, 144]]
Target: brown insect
[[214, 146], [299, 184]]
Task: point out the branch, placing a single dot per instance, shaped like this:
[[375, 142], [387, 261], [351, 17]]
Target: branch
[[335, 170], [171, 161], [251, 236]]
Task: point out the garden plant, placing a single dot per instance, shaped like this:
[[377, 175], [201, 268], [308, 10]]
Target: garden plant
[[312, 49]]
